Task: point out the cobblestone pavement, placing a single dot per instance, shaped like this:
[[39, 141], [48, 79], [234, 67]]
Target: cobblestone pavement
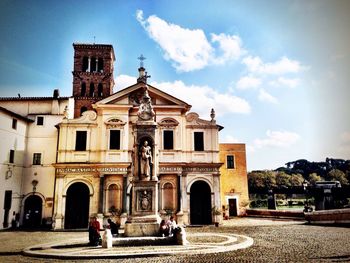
[[274, 241]]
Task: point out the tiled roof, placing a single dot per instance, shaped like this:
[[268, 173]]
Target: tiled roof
[[32, 98]]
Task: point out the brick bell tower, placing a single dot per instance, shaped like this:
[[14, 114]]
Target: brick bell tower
[[92, 75]]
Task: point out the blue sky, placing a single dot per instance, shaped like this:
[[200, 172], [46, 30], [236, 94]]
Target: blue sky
[[276, 72]]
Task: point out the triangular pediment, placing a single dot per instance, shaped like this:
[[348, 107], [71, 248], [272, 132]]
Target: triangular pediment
[[132, 96]]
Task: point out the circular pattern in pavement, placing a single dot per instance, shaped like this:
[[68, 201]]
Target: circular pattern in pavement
[[199, 243]]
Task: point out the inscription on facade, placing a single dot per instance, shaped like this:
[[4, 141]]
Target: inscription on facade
[[170, 169], [92, 169], [201, 169], [188, 169]]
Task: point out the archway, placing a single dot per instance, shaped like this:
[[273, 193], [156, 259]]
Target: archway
[[32, 211], [200, 203], [77, 206]]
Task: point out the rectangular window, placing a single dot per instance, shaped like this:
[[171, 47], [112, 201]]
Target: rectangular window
[[40, 120], [14, 124], [80, 141], [114, 139], [12, 156], [8, 200], [230, 162], [36, 158], [168, 140], [198, 141]]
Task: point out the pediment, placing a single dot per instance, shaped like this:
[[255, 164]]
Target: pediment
[[114, 122], [168, 123], [132, 96]]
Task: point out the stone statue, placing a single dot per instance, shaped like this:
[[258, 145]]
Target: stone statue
[[146, 111], [145, 160]]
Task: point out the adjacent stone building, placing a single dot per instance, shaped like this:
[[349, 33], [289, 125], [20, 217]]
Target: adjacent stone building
[[28, 152]]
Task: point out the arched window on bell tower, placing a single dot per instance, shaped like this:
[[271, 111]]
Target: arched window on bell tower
[[100, 65], [92, 89], [100, 90], [85, 64], [83, 89], [93, 64]]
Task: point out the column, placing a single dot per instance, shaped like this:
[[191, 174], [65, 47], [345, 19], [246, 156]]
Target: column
[[179, 191], [58, 216], [101, 195], [89, 64], [125, 185]]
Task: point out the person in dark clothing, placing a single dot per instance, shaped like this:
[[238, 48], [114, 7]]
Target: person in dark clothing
[[113, 226], [94, 232]]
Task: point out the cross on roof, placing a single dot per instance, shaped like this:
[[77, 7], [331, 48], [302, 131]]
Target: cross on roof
[[141, 58]]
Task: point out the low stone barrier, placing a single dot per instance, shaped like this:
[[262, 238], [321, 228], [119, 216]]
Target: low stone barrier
[[335, 216], [275, 213]]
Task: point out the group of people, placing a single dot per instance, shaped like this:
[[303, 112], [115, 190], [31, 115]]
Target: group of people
[[168, 228], [94, 230]]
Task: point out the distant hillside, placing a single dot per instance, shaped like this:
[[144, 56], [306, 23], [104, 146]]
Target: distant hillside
[[295, 173]]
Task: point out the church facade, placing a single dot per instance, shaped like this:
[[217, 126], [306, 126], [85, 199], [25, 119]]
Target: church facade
[[138, 134]]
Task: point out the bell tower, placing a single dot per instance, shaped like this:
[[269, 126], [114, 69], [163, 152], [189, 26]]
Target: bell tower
[[92, 75]]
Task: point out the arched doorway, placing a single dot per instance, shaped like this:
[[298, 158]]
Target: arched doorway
[[32, 211], [77, 206], [200, 204]]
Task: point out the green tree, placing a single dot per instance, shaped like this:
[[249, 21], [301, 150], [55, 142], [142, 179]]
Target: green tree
[[338, 175], [296, 180], [314, 177], [283, 179], [261, 179]]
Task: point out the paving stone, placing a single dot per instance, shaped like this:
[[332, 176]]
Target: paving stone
[[274, 241]]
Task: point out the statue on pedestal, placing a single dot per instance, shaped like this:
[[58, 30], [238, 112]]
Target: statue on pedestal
[[145, 161], [146, 111]]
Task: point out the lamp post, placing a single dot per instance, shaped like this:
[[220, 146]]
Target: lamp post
[[306, 205]]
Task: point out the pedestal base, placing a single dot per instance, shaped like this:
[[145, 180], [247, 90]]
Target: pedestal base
[[139, 226]]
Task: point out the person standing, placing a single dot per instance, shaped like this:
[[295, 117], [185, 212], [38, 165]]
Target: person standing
[[94, 232]]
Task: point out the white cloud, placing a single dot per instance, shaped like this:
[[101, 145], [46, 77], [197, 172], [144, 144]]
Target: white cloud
[[282, 66], [248, 82], [266, 97], [277, 139], [124, 81], [204, 98], [286, 82], [231, 47], [189, 49]]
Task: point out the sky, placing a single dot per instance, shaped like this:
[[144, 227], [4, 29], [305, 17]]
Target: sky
[[277, 73]]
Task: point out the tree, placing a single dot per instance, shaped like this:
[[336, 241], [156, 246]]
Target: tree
[[338, 175], [296, 180], [283, 179], [314, 177], [261, 179]]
